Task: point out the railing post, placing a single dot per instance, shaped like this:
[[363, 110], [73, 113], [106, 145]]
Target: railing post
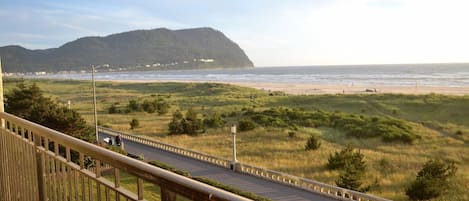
[[40, 163], [167, 195], [2, 106]]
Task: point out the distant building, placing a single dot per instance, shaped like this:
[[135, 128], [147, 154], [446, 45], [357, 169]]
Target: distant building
[[40, 73], [207, 60]]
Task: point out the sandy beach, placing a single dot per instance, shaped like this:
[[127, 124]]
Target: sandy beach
[[306, 89], [356, 89]]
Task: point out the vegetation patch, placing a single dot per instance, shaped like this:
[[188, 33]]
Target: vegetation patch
[[388, 129]]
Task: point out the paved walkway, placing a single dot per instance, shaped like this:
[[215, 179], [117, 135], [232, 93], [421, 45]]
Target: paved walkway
[[272, 190]]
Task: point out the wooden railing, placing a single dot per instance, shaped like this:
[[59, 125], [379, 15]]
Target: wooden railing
[[279, 177], [39, 164]]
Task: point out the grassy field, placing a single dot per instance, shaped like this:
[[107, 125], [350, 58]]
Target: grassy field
[[441, 121]]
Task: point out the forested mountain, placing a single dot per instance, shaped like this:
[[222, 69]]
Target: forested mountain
[[157, 48]]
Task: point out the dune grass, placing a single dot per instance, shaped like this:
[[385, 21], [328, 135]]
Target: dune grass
[[441, 121]]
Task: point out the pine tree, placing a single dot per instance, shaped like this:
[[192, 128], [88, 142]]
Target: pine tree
[[432, 180], [350, 178], [29, 103]]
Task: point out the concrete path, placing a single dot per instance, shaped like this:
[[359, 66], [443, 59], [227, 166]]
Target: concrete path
[[272, 190]]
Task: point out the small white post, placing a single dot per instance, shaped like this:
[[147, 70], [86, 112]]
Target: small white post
[[233, 133], [68, 104]]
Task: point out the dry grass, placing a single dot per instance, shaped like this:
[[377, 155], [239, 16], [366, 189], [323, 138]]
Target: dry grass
[[391, 166]]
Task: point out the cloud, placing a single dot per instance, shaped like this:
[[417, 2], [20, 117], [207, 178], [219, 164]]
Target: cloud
[[60, 23]]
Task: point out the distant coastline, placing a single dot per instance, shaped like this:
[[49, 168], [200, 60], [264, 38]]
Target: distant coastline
[[406, 79]]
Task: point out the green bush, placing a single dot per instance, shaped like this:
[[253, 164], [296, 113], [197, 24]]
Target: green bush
[[347, 156], [216, 121], [190, 124], [389, 130], [350, 178], [162, 106], [113, 109], [134, 123], [149, 106], [175, 126], [432, 180], [134, 106], [246, 125], [313, 143]]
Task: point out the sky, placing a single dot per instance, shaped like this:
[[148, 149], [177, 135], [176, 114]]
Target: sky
[[271, 32]]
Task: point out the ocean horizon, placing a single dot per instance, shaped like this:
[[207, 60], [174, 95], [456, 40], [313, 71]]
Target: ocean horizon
[[443, 75]]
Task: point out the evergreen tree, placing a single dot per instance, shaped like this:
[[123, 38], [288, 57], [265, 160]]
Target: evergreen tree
[[29, 103], [350, 178], [348, 155], [432, 180]]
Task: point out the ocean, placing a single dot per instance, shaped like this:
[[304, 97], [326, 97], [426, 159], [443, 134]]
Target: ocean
[[450, 75]]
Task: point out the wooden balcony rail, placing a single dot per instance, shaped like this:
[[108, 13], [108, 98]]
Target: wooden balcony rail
[[38, 163], [279, 177]]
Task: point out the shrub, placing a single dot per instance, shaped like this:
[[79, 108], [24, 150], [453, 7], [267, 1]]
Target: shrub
[[246, 125], [190, 124], [350, 178], [133, 106], [134, 123], [313, 143], [175, 126], [113, 109], [216, 121], [291, 134], [149, 106], [347, 156], [162, 106], [432, 180], [388, 129], [458, 132]]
